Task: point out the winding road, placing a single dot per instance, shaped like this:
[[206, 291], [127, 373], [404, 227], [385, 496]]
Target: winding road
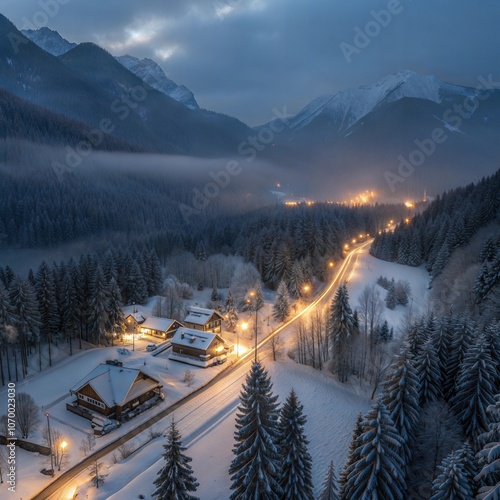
[[198, 412]]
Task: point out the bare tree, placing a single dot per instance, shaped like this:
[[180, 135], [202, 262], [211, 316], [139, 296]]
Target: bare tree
[[95, 472], [277, 346], [189, 377], [28, 414], [87, 444], [370, 310], [59, 445]]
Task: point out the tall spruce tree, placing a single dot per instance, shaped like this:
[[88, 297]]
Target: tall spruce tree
[[255, 470], [428, 373], [475, 390], [329, 490], [378, 471], [401, 398], [175, 479], [281, 308], [351, 454], [341, 331], [295, 478], [230, 311], [453, 481], [489, 456]]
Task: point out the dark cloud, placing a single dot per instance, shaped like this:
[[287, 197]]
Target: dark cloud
[[245, 57]]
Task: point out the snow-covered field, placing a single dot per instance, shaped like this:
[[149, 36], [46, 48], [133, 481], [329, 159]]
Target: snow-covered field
[[207, 423]]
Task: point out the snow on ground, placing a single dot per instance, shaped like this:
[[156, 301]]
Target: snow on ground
[[369, 269], [331, 407]]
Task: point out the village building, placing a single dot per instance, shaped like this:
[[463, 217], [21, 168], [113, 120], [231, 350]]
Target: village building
[[198, 347], [160, 327], [205, 320], [134, 317], [113, 390]]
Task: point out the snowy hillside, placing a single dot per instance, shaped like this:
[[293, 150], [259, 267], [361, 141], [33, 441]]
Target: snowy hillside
[[347, 107]]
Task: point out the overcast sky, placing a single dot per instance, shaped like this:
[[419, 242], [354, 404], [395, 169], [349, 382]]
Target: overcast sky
[[246, 57]]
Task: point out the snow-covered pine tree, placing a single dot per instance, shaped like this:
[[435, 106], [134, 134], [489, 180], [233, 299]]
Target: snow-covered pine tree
[[329, 490], [6, 319], [341, 330], [296, 280], [462, 337], [175, 479], [47, 305], [26, 318], [390, 298], [474, 390], [378, 471], [489, 456], [441, 340], [255, 470], [401, 398], [453, 481], [281, 308], [258, 299], [491, 337], [230, 311], [295, 477], [428, 373], [116, 319], [351, 454], [99, 307]]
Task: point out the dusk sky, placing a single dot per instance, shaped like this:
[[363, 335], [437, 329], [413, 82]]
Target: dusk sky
[[246, 57]]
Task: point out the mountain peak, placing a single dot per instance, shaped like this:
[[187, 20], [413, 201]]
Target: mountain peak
[[150, 72], [49, 40], [347, 107]]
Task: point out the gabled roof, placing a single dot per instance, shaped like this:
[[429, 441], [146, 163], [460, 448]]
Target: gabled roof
[[116, 385], [139, 315], [159, 324], [200, 316], [194, 338]]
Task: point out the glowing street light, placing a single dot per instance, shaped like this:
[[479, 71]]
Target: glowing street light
[[63, 448]]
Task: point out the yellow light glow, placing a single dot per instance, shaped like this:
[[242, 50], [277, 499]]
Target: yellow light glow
[[353, 241], [306, 288], [63, 445], [408, 204], [346, 246], [330, 264], [244, 326]]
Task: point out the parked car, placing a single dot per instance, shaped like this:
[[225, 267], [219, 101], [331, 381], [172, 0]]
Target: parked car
[[151, 347], [219, 361]]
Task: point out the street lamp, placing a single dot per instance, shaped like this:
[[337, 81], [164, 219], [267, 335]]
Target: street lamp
[[63, 447], [50, 444], [252, 294], [244, 327]]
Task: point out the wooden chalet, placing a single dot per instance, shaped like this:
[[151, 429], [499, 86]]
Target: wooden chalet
[[197, 347], [111, 390], [205, 320], [159, 327]]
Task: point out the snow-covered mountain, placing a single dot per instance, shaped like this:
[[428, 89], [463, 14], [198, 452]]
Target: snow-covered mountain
[[347, 107], [146, 69], [150, 72], [49, 40]]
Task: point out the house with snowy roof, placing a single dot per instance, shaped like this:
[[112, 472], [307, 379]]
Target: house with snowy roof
[[160, 327], [112, 390], [197, 347], [134, 317], [206, 320]]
